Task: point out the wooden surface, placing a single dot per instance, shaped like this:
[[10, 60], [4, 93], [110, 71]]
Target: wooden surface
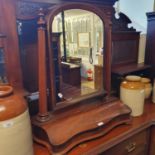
[[107, 2], [127, 69], [152, 141], [71, 75], [40, 150], [43, 110], [114, 137], [98, 77], [135, 145]]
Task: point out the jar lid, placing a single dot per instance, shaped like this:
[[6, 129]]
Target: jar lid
[[145, 80], [133, 78], [5, 90]]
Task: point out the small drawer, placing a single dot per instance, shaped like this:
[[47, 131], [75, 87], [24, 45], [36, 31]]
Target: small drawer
[[135, 145]]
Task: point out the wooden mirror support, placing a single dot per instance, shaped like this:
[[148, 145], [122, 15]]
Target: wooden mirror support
[[43, 114], [61, 130]]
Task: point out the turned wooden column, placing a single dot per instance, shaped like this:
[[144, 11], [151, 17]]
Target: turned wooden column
[[43, 114]]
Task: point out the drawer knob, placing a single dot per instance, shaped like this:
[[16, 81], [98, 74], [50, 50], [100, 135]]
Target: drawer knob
[[131, 147]]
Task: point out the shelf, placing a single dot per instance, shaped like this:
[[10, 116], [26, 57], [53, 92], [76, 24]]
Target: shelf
[[126, 69]]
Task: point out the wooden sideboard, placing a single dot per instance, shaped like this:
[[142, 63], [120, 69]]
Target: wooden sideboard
[[136, 138], [150, 42]]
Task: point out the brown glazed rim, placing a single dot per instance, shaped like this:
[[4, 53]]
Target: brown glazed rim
[[5, 90], [133, 82], [12, 106], [132, 85]]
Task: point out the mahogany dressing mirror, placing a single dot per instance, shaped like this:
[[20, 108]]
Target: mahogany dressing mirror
[[74, 49], [59, 51], [79, 54]]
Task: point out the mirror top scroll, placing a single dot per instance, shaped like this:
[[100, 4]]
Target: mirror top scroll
[[78, 54]]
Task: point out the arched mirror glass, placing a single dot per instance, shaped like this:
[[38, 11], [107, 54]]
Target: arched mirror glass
[[78, 53]]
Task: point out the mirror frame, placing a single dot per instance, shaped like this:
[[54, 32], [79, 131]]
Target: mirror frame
[[105, 16]]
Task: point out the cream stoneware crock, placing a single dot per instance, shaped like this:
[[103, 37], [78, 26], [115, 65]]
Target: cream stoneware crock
[[148, 87], [132, 93], [15, 125]]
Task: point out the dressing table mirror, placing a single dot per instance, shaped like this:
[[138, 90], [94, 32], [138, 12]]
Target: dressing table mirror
[[74, 45]]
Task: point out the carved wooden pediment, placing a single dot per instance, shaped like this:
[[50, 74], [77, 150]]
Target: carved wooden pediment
[[28, 9], [103, 2], [121, 24]]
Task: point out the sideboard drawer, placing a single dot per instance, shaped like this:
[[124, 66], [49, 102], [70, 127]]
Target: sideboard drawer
[[135, 145]]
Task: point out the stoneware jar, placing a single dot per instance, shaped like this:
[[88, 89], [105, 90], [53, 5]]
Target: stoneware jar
[[148, 87], [15, 126], [132, 94]]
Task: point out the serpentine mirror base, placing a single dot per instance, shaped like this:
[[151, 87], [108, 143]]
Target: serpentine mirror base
[[66, 130]]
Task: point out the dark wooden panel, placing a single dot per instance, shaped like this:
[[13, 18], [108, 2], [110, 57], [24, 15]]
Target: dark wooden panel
[[106, 2], [30, 67], [29, 53], [130, 68], [98, 77], [152, 141], [9, 28], [71, 76], [4, 74], [125, 48], [150, 42]]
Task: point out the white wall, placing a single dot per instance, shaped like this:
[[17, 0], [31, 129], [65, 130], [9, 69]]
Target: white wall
[[136, 10]]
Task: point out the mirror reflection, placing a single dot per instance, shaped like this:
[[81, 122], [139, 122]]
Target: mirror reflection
[[3, 78], [78, 47]]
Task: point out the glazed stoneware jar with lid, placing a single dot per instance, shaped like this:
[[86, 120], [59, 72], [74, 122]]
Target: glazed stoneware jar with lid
[[148, 87], [132, 93], [15, 126]]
